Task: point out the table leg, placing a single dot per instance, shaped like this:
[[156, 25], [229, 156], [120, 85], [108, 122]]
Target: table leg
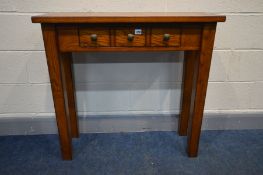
[[199, 88], [55, 73], [189, 66], [66, 60]]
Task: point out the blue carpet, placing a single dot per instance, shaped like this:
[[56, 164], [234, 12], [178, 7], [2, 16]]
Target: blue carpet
[[147, 153]]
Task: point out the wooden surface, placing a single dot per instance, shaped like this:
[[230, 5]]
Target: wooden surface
[[55, 74], [126, 17], [121, 37], [190, 58], [103, 36], [77, 38], [193, 33], [201, 74], [68, 83], [157, 36]]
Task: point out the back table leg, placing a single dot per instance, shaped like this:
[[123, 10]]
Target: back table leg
[[189, 66], [66, 60]]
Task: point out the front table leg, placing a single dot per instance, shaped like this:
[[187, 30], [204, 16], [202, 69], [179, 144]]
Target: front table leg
[[54, 67], [201, 74]]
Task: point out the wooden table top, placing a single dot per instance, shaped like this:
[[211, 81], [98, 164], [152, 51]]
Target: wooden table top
[[126, 17]]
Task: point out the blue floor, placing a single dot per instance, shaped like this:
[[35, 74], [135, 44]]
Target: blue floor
[[147, 153]]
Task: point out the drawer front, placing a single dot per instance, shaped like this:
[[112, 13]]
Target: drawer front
[[108, 37], [166, 37], [130, 37], [94, 37]]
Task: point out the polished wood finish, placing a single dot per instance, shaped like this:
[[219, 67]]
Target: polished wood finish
[[68, 83], [55, 74], [193, 33], [157, 36], [77, 38], [121, 37], [190, 58], [202, 67], [103, 37], [127, 17], [191, 36], [68, 38]]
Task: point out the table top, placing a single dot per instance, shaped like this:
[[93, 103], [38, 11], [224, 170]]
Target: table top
[[127, 17]]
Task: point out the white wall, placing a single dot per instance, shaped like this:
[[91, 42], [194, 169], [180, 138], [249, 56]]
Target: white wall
[[236, 79]]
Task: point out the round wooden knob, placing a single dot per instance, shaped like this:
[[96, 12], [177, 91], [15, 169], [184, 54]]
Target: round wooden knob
[[166, 37], [93, 37], [130, 37]]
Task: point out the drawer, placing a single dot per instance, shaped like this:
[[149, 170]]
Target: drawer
[[130, 37], [165, 37], [94, 37], [104, 37]]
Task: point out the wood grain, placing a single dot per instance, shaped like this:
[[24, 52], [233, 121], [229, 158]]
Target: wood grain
[[190, 59], [191, 35], [125, 49], [103, 36], [157, 35], [66, 63], [112, 38], [68, 37], [190, 32], [53, 61], [121, 37], [200, 87], [127, 17]]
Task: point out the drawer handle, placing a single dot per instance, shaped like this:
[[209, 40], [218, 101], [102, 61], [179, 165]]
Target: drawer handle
[[166, 37], [93, 37], [130, 37]]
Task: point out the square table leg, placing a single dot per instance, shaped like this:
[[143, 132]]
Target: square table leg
[[68, 82], [198, 94], [189, 66], [55, 73]]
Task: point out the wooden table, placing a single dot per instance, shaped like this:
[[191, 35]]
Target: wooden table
[[65, 33]]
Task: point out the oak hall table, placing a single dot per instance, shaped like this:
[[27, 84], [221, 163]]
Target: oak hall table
[[64, 33]]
